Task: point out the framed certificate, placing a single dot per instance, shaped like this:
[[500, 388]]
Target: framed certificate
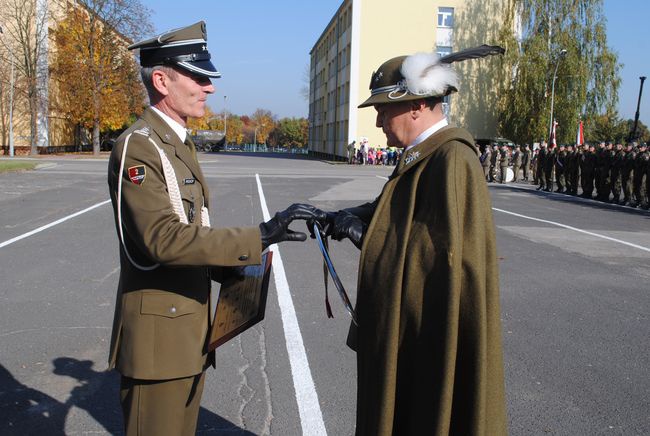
[[241, 303]]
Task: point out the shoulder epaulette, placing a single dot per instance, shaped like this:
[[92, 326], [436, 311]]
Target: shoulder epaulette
[[145, 131]]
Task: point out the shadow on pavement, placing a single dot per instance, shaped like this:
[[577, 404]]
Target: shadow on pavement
[[28, 411]]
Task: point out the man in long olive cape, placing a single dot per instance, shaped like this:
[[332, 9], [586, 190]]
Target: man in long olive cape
[[428, 340]]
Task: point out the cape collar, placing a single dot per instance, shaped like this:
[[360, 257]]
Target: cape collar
[[419, 152]]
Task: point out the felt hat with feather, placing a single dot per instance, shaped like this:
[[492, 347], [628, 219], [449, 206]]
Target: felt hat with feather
[[422, 75]]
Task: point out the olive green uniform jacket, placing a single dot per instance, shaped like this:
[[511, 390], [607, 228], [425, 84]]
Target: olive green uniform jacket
[[428, 343], [162, 316]]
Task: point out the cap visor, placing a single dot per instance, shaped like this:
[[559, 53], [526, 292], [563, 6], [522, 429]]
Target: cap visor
[[201, 68]]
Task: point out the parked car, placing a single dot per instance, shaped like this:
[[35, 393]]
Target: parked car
[[107, 144], [209, 140]]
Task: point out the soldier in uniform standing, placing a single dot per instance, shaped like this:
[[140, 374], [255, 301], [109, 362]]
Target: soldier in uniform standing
[[517, 161], [573, 170], [503, 163], [542, 156], [526, 161], [646, 158], [494, 163], [627, 171], [549, 163], [598, 172], [616, 168], [168, 251], [485, 159], [560, 168], [641, 191]]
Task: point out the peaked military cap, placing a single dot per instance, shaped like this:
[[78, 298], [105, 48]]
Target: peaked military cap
[[186, 47]]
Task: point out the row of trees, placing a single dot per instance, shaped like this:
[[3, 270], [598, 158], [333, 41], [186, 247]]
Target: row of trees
[[587, 81], [262, 127]]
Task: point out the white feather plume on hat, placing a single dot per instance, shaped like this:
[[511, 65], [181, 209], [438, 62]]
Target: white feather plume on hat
[[426, 76]]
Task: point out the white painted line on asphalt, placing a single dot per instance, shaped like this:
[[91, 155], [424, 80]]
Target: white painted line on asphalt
[[382, 177], [629, 244], [47, 226], [311, 416]]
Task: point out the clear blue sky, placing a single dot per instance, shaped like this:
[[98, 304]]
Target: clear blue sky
[[262, 48]]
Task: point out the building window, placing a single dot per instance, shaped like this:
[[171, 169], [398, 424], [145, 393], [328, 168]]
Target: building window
[[443, 50], [445, 17]]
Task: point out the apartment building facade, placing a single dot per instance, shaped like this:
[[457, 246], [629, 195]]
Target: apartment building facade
[[363, 34]]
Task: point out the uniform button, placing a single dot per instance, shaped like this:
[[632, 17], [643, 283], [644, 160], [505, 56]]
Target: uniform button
[[243, 257], [172, 309]]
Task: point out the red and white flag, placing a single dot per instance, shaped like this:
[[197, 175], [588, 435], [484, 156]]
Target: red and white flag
[[552, 142], [580, 137]]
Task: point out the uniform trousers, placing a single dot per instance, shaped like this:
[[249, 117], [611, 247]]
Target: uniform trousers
[[161, 407]]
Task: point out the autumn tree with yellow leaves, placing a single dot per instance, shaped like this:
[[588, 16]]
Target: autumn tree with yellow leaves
[[98, 78]]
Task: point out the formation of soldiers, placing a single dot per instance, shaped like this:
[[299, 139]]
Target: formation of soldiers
[[607, 172]]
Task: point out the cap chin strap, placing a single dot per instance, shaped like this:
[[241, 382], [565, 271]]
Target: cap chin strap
[[174, 198]]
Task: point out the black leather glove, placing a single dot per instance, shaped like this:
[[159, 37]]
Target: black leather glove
[[277, 228], [326, 222], [347, 225]]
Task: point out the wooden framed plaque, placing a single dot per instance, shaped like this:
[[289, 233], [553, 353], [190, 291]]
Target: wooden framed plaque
[[241, 303]]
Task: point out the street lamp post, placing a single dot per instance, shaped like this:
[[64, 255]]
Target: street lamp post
[[255, 136], [225, 119], [636, 116], [557, 64], [11, 105]]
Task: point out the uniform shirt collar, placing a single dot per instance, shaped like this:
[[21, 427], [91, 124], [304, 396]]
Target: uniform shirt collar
[[430, 131], [174, 125]]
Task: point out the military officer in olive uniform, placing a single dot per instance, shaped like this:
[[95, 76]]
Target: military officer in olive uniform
[[503, 163], [626, 173], [494, 163], [517, 161], [640, 188], [549, 164], [168, 251], [560, 168], [588, 171], [542, 156], [617, 162], [485, 159], [526, 161]]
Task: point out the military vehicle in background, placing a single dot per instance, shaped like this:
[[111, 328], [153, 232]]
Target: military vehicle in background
[[209, 140]]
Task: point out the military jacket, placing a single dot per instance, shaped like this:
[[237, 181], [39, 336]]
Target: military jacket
[[162, 313]]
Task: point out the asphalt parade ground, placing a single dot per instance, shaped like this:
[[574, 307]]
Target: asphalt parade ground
[[575, 292]]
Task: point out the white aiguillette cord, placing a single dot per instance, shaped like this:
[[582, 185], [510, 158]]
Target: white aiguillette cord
[[174, 198]]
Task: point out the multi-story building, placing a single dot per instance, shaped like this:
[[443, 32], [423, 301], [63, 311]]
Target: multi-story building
[[362, 34], [35, 21]]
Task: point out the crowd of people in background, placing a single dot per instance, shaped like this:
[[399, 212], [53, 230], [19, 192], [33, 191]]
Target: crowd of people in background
[[366, 155], [607, 172]]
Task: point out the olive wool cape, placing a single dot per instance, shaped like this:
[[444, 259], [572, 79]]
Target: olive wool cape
[[428, 344]]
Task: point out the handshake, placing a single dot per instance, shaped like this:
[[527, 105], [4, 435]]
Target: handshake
[[338, 225]]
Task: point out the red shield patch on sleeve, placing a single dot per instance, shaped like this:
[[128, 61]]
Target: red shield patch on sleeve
[[137, 174]]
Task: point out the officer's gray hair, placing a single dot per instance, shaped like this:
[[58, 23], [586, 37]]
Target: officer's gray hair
[[146, 73]]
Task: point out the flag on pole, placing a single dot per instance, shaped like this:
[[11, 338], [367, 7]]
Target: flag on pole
[[580, 137], [552, 142]]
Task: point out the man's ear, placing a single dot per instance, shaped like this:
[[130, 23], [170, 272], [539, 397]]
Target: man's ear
[[416, 107], [160, 82]]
